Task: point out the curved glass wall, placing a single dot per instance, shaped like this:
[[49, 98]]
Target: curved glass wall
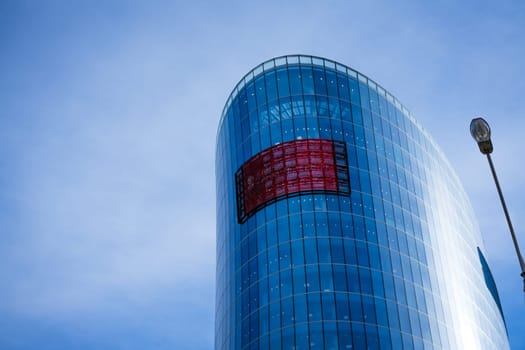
[[367, 240]]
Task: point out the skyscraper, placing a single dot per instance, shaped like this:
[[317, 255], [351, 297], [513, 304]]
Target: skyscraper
[[340, 223]]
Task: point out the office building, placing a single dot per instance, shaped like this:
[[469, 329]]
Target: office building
[[340, 223]]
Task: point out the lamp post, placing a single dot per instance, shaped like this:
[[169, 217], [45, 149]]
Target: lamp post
[[480, 131]]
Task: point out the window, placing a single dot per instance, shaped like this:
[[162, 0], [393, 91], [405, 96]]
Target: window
[[290, 168]]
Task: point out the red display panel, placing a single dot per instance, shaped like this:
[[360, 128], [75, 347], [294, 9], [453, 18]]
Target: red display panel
[[291, 168]]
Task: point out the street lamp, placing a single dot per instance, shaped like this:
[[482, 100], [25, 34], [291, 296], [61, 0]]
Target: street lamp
[[480, 131]]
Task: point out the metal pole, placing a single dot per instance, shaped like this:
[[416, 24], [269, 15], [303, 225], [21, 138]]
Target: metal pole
[[514, 240]]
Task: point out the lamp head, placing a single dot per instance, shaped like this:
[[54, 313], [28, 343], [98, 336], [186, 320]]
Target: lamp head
[[480, 131]]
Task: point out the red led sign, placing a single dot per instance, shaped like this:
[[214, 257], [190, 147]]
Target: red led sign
[[291, 168]]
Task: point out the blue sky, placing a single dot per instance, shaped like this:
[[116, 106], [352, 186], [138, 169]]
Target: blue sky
[[108, 115]]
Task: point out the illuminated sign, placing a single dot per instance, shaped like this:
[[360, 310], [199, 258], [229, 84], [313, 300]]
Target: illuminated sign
[[291, 168]]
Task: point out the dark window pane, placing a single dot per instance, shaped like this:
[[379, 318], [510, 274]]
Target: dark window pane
[[271, 86], [319, 81], [282, 82], [308, 80], [295, 80]]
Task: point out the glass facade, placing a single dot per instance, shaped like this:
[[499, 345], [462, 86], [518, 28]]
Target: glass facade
[[340, 224]]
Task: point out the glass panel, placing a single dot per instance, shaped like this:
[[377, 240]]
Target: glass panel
[[331, 82], [282, 82], [319, 81], [295, 80], [271, 86], [307, 80], [260, 90]]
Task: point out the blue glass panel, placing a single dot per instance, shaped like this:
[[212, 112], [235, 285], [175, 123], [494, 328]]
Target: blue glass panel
[[408, 342], [347, 226], [297, 253], [271, 233], [330, 335], [358, 335], [263, 320], [250, 95], [350, 253], [295, 227], [300, 308], [287, 338], [331, 83], [362, 253], [307, 80], [372, 338], [383, 105], [323, 248], [337, 253], [312, 278], [308, 225], [310, 108], [328, 303], [264, 342], [359, 135], [287, 313], [425, 329], [420, 297], [307, 204], [282, 229], [273, 260], [356, 309], [397, 342], [343, 86], [365, 97], [325, 130], [294, 206], [273, 111], [310, 251], [345, 335], [284, 256], [346, 111], [265, 137], [404, 319], [314, 307], [254, 325], [374, 101], [319, 81], [325, 272], [262, 265], [322, 106], [301, 337], [354, 91], [243, 103], [377, 283], [275, 133], [400, 290], [282, 82], [384, 339], [264, 291], [295, 80], [271, 86], [299, 282], [275, 316], [260, 91], [339, 278], [335, 109], [414, 322], [300, 128], [275, 340], [321, 222], [357, 118], [316, 336]]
